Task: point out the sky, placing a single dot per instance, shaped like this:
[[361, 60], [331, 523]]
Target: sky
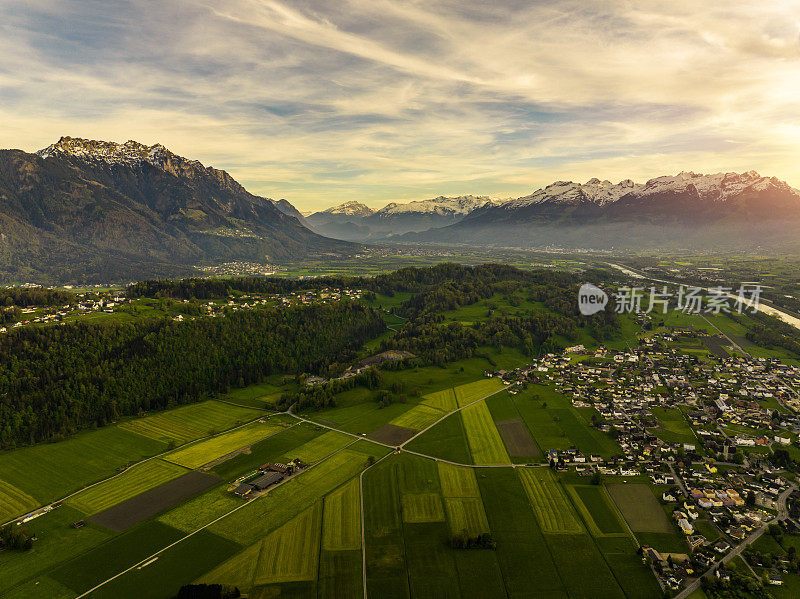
[[392, 100]]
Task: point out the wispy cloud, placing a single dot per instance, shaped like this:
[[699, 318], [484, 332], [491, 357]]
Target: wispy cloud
[[322, 102]]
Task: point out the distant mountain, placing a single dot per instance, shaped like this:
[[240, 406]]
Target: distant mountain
[[688, 210], [288, 209], [355, 221], [93, 210]]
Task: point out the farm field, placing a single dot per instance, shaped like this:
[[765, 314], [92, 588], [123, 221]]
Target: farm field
[[674, 429], [57, 541], [149, 503], [550, 504], [442, 400], [261, 517], [483, 437], [14, 502], [466, 394], [341, 522], [446, 440], [319, 447], [203, 452], [290, 553], [640, 508], [130, 483], [51, 470], [191, 422], [597, 509], [418, 417], [422, 507]]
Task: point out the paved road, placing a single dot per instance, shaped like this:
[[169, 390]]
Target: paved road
[[782, 514]]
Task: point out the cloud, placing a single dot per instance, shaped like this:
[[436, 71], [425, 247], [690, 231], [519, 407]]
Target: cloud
[[322, 102]]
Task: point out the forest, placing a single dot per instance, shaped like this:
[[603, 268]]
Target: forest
[[57, 380]]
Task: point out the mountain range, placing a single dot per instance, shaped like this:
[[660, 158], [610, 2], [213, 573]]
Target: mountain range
[[357, 222], [92, 210], [689, 211], [85, 210]]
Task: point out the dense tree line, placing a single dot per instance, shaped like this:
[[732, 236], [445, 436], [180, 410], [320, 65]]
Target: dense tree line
[[55, 381], [769, 331], [35, 296]]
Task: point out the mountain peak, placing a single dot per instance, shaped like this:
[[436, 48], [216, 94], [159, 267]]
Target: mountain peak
[[351, 208], [130, 153], [441, 205]]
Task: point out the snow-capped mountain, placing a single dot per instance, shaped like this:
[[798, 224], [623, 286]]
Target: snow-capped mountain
[[356, 222], [441, 206], [688, 208], [351, 209]]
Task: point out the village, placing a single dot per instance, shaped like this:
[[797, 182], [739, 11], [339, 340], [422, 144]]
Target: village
[[716, 437], [113, 304]]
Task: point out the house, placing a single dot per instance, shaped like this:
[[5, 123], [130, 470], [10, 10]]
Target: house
[[775, 579], [686, 527]]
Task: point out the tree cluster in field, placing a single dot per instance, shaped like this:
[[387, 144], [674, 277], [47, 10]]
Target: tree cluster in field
[[323, 395], [463, 540], [10, 315], [15, 538], [35, 296], [55, 381], [770, 332], [738, 586]]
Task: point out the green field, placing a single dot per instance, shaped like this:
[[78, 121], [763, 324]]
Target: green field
[[14, 502], [178, 566], [442, 400], [341, 522], [550, 504], [422, 507], [466, 513], [597, 509], [418, 417], [197, 454], [446, 440], [484, 440], [458, 481], [640, 508], [260, 517], [288, 554], [130, 483], [115, 555], [51, 470], [520, 542], [202, 509], [319, 447], [466, 394], [57, 541], [191, 422], [674, 429]]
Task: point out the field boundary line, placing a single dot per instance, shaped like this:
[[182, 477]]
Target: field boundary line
[[152, 457], [202, 528], [363, 521]]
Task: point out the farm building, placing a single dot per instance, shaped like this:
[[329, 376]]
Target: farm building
[[266, 480], [243, 490]]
